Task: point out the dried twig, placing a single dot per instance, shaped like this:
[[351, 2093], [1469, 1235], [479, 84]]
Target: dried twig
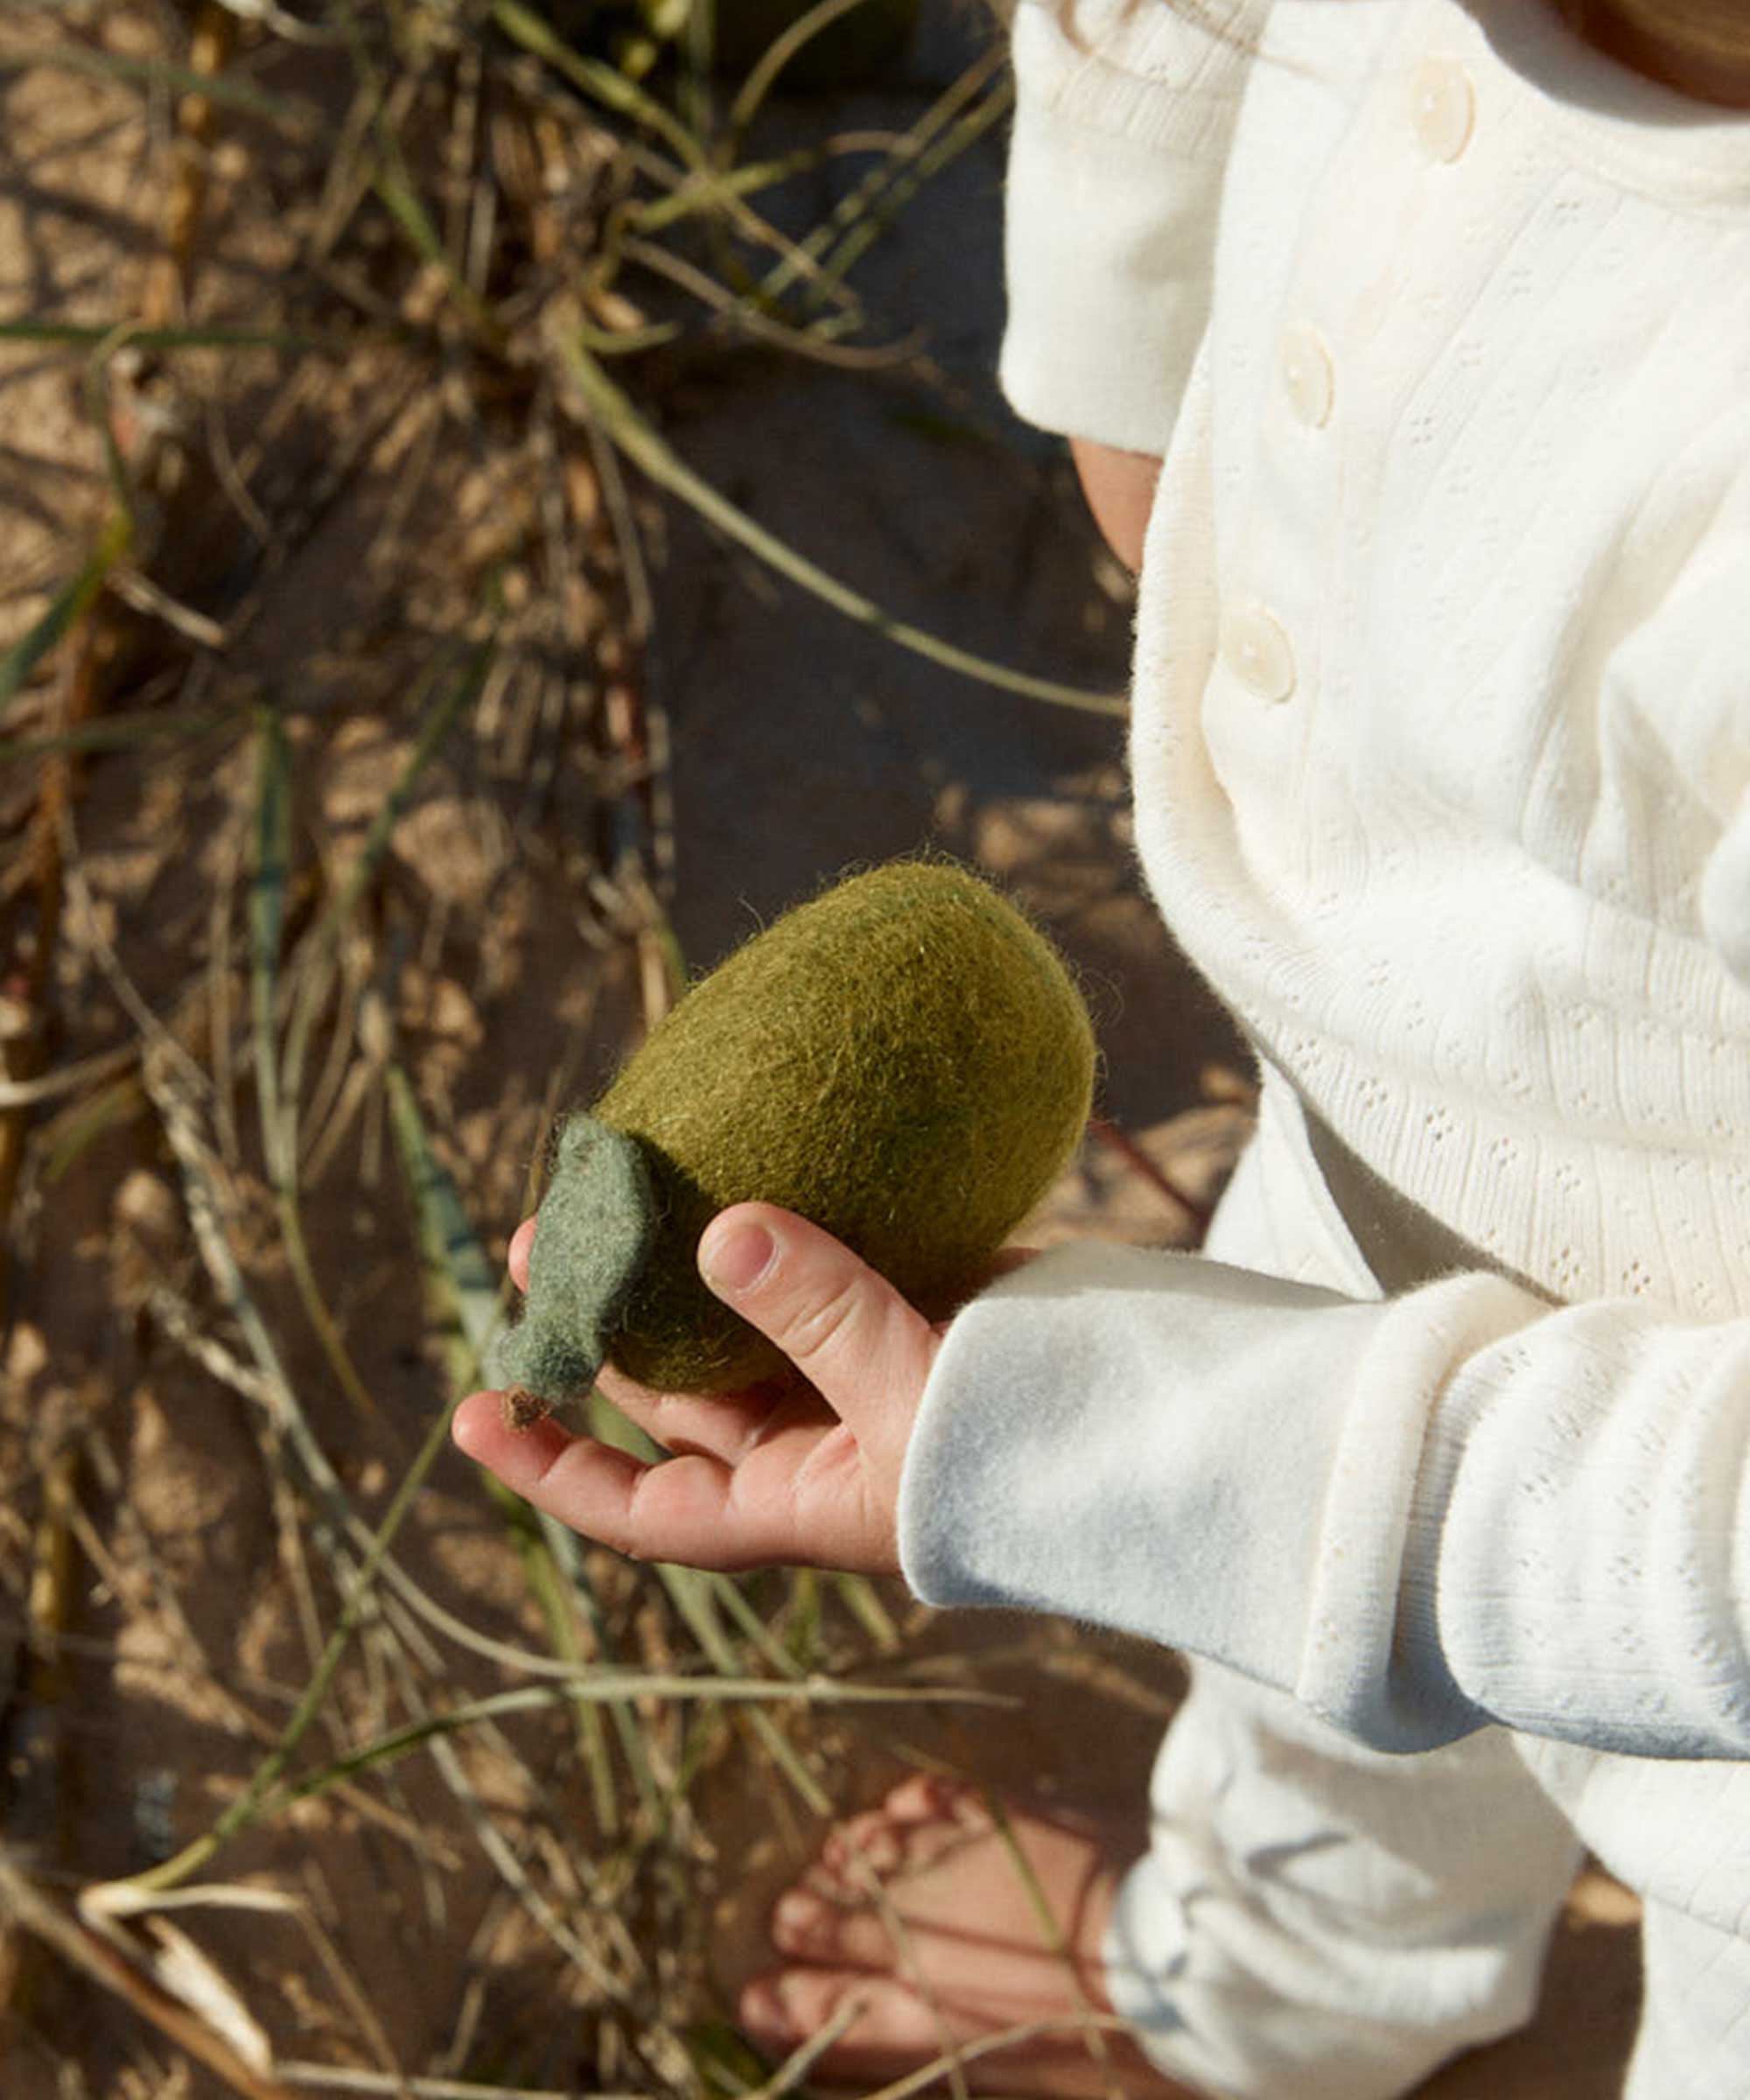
[[100, 1961]]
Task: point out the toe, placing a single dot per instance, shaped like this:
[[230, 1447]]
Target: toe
[[918, 1799], [967, 1807], [869, 1935], [828, 1883], [764, 2013], [838, 1934], [806, 1924], [920, 1820], [786, 2007], [882, 2023], [925, 1799], [869, 1841]]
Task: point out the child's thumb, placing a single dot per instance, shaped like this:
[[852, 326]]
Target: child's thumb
[[843, 1325]]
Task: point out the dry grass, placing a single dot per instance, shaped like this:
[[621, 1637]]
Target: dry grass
[[339, 860]]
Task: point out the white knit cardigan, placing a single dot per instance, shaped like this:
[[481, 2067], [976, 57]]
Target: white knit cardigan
[[1440, 752]]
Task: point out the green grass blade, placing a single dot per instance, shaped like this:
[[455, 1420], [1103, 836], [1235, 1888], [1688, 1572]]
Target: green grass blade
[[728, 1595], [704, 192], [568, 1559], [268, 876], [778, 54], [752, 1692], [71, 603], [599, 82], [317, 972], [457, 1272], [79, 1127], [454, 700], [695, 1596], [545, 1578], [862, 1600], [395, 186], [640, 443], [159, 72], [87, 336], [859, 199], [459, 1279], [858, 237], [626, 342], [113, 732]]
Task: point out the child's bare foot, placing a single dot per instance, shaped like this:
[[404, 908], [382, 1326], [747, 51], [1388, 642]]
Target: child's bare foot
[[917, 1916]]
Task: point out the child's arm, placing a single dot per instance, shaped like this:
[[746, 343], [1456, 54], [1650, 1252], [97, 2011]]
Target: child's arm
[[1419, 1515]]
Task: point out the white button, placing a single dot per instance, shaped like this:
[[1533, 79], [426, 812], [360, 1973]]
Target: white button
[[1256, 650], [1441, 107], [1305, 366]]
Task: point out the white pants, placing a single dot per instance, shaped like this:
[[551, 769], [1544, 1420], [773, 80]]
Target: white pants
[[1318, 1920]]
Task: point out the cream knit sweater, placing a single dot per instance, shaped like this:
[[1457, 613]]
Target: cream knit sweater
[[1441, 759], [1441, 751]]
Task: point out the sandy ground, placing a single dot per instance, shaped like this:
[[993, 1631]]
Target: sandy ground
[[798, 745]]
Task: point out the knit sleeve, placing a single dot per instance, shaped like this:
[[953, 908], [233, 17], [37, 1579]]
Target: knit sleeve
[[1419, 1515], [1714, 754], [1124, 109]]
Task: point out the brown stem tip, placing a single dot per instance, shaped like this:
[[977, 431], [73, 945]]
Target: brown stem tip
[[522, 1410]]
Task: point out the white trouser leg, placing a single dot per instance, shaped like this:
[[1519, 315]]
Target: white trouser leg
[[1321, 1922], [1694, 2041], [1678, 1834], [1315, 1920]]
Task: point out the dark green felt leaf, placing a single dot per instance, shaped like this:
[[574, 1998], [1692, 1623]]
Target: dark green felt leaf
[[597, 1222]]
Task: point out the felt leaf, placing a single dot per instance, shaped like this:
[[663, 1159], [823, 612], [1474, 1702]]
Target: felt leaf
[[598, 1223]]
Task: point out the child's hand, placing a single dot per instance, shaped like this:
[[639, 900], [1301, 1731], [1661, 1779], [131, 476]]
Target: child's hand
[[811, 1476]]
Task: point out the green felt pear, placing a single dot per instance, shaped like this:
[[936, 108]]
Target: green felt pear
[[905, 1059]]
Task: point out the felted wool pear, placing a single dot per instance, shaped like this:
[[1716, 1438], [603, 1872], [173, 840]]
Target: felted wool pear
[[904, 1060]]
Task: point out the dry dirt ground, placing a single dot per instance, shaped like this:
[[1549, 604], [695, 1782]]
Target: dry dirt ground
[[165, 1578]]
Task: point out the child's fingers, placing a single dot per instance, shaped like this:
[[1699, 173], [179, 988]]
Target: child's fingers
[[723, 1425], [844, 1328], [681, 1509]]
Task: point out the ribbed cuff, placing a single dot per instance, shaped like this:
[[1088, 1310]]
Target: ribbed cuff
[[1108, 285], [1115, 168], [1122, 1436]]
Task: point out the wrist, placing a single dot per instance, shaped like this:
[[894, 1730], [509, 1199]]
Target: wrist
[[1119, 487]]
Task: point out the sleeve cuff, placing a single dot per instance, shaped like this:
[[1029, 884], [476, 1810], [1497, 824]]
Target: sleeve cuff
[[1108, 288], [1077, 1451], [1209, 1458], [1115, 168]]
